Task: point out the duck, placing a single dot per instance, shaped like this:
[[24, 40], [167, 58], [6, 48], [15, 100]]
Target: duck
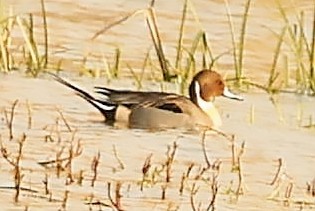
[[160, 110]]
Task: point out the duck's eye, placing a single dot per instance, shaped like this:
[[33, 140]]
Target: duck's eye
[[219, 82]]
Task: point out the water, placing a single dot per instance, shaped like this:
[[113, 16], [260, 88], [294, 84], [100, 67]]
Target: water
[[72, 25], [274, 131]]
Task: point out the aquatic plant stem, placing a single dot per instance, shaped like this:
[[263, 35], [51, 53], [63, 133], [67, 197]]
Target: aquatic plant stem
[[155, 35], [312, 75], [181, 35], [45, 33]]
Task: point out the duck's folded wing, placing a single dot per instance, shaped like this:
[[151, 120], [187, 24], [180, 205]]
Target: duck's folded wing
[[171, 102], [129, 98]]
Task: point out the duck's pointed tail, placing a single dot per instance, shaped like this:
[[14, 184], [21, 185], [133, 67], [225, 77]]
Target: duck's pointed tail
[[107, 108]]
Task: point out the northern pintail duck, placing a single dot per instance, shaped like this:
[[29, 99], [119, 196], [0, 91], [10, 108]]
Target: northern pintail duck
[[160, 110]]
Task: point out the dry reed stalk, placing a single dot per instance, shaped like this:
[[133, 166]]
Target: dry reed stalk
[[182, 184], [123, 19], [240, 187], [81, 178], [58, 162], [121, 164], [163, 195], [29, 114], [117, 202], [233, 149], [4, 54], [204, 150], [64, 119], [214, 192], [7, 24], [27, 41], [169, 161], [145, 169], [281, 177], [276, 177], [184, 178], [94, 166], [46, 184], [65, 199], [193, 192], [9, 121], [15, 162], [75, 150]]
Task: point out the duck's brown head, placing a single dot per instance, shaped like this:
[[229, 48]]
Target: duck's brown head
[[208, 84]]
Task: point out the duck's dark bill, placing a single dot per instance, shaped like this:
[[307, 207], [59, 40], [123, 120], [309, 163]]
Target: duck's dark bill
[[227, 93]]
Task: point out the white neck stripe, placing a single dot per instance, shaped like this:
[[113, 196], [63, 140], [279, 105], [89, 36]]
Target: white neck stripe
[[203, 104]]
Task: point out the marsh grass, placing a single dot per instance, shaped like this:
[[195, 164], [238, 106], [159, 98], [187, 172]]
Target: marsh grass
[[6, 24], [274, 74], [302, 49], [188, 57], [238, 47], [184, 64], [33, 60], [112, 69]]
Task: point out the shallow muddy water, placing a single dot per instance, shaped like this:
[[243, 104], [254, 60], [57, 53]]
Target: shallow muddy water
[[269, 130], [275, 131], [72, 25]]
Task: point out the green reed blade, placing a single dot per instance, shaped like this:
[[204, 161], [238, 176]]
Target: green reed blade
[[298, 44], [206, 52], [181, 35], [138, 79], [155, 35], [233, 39], [273, 74], [312, 75], [242, 40], [45, 33], [116, 62], [191, 53]]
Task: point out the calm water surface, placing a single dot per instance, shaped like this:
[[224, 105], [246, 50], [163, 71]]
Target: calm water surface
[[72, 25], [270, 131]]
